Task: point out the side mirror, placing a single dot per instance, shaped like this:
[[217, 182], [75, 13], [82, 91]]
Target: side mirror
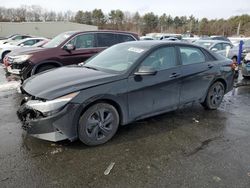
[[146, 71], [22, 45], [214, 49], [69, 47]]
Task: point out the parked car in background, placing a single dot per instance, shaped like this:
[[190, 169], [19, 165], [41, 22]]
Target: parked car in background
[[122, 84], [171, 39], [246, 66], [14, 37], [65, 49], [41, 43], [233, 52], [171, 36], [223, 48], [220, 38], [8, 47], [214, 45], [146, 38]]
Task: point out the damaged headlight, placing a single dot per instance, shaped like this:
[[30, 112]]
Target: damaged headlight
[[52, 106], [21, 58]]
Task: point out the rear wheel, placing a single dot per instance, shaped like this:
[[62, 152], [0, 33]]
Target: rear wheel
[[98, 124], [214, 96]]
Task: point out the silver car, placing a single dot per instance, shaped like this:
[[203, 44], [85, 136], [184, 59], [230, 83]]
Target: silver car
[[246, 66], [234, 52]]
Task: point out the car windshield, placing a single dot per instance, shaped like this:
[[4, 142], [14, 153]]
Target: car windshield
[[116, 59], [58, 40], [205, 44]]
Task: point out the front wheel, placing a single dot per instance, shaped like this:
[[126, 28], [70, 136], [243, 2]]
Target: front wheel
[[214, 96], [98, 124], [45, 67]]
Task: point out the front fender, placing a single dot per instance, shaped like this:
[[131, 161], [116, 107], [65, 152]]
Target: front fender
[[34, 69]]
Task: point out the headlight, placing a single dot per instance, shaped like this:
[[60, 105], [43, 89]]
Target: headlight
[[52, 106], [21, 58]]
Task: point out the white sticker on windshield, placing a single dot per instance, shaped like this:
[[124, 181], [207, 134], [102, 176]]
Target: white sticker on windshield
[[137, 50]]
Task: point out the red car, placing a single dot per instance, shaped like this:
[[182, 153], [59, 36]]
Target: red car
[[67, 48]]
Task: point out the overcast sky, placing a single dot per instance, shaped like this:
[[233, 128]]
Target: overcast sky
[[199, 8]]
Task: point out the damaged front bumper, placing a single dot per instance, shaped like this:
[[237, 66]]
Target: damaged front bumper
[[60, 125]]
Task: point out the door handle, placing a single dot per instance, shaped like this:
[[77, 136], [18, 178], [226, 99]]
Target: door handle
[[174, 75], [210, 66]]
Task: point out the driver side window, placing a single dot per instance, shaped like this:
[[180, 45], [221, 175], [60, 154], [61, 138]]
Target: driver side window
[[83, 41], [161, 59]]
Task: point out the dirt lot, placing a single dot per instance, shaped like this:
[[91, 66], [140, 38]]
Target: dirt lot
[[190, 147]]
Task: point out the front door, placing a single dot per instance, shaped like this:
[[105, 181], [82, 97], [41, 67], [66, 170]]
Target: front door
[[85, 47], [155, 93]]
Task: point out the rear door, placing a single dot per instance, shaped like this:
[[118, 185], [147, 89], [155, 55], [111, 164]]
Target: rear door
[[198, 71], [105, 40], [85, 47], [155, 93]]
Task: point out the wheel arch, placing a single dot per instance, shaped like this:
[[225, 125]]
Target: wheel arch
[[43, 63], [215, 80], [222, 81], [108, 101], [5, 52]]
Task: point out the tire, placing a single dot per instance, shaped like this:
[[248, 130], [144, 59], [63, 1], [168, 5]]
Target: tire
[[92, 128], [214, 96], [43, 68], [3, 55]]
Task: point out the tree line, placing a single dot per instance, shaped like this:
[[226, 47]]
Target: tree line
[[142, 24]]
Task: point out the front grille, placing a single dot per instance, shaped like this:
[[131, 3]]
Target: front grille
[[16, 66], [26, 115]]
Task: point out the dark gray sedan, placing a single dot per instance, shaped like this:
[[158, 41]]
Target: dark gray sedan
[[125, 83]]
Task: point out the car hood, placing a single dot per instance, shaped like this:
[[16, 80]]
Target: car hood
[[27, 50], [61, 81]]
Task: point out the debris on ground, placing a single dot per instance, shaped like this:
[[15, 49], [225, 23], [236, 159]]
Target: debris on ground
[[248, 174], [195, 120], [55, 151], [107, 171], [216, 178]]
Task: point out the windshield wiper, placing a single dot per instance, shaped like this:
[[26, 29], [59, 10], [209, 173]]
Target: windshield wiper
[[88, 67]]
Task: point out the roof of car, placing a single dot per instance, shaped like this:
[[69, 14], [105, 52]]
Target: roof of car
[[153, 43], [101, 31], [212, 41]]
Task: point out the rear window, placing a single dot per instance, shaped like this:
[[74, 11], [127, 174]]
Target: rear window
[[191, 55], [106, 39]]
